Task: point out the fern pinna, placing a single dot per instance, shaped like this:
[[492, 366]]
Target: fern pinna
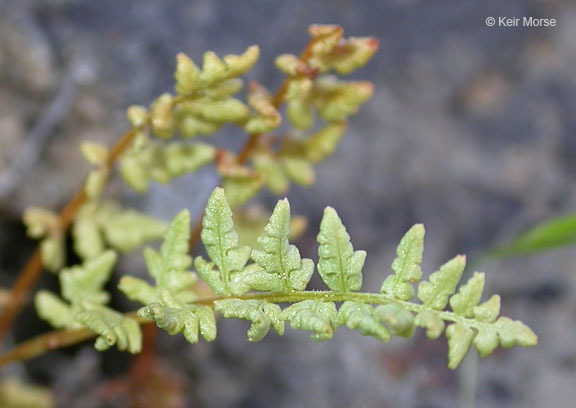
[[252, 284]]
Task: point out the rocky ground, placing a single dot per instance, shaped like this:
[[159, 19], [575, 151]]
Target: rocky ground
[[471, 131]]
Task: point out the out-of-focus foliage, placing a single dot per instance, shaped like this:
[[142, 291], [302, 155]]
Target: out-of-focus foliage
[[83, 304], [548, 235]]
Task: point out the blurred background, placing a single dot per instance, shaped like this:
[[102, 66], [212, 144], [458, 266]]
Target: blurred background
[[471, 131]]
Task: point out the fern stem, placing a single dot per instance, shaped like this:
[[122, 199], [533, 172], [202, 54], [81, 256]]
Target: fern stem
[[59, 339], [33, 269]]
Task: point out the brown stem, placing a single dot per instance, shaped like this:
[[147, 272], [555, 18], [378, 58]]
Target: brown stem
[[33, 268]]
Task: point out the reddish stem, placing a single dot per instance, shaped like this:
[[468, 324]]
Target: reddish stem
[[29, 275]]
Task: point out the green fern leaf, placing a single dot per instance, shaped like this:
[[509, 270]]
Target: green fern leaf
[[339, 265], [280, 258], [127, 230], [272, 171], [314, 315], [221, 242], [168, 267], [433, 324], [86, 282], [459, 341], [488, 311], [54, 310], [176, 317], [299, 169], [356, 315], [255, 277], [113, 327], [138, 290], [399, 320], [442, 284], [406, 266], [240, 190], [464, 302], [102, 224], [261, 313], [324, 142], [174, 249]]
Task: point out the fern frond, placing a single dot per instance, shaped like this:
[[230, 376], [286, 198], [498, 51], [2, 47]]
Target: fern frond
[[169, 267], [82, 286], [277, 257], [280, 276], [221, 242], [112, 327], [339, 265], [406, 266], [314, 315], [175, 317], [261, 313]]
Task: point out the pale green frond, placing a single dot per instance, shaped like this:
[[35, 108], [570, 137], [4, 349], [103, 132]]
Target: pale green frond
[[15, 394], [324, 142], [255, 277], [54, 310], [299, 169], [290, 64], [240, 190], [47, 226], [459, 340], [221, 110], [399, 320], [464, 302], [488, 311], [514, 332], [138, 290], [88, 238], [336, 100], [183, 158], [357, 315], [112, 327], [192, 321], [174, 249], [169, 267], [266, 116], [239, 64], [187, 75], [261, 313], [313, 315], [278, 256], [128, 230], [221, 242], [101, 224], [86, 281], [53, 253], [162, 116], [271, 169], [346, 56], [339, 265], [433, 324], [137, 115], [406, 266], [442, 283]]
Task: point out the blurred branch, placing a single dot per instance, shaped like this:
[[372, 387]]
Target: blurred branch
[[33, 268]]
